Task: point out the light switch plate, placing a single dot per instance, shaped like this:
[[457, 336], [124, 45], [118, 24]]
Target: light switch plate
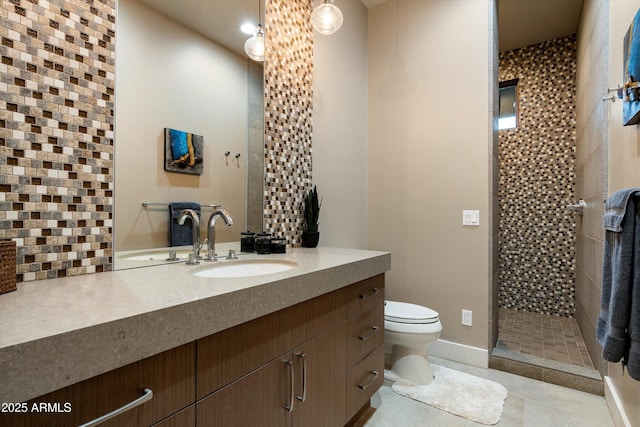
[[471, 217]]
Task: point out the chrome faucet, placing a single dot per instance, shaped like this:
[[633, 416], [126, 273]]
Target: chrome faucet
[[195, 233], [218, 212]]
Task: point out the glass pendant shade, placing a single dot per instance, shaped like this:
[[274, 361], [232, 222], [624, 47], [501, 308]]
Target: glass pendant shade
[[254, 46], [326, 18]]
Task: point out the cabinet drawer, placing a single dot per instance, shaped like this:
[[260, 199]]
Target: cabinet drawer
[[363, 380], [365, 295], [366, 332], [169, 375]]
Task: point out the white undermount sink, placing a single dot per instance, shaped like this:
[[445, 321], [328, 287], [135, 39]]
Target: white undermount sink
[[244, 268]]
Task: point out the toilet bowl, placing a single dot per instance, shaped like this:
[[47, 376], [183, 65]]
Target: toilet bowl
[[409, 330]]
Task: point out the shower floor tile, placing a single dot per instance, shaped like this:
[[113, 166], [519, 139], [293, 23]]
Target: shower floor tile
[[552, 338]]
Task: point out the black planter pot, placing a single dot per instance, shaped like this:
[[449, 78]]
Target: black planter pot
[[310, 239]]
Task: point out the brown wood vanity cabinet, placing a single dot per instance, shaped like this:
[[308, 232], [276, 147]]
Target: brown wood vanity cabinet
[[315, 364], [169, 375], [284, 369]]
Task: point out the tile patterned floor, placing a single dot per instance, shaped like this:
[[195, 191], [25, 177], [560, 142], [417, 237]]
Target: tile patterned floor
[[529, 403], [552, 338]]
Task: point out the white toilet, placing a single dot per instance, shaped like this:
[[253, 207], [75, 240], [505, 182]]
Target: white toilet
[[409, 330]]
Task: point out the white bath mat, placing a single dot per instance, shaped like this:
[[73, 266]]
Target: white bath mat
[[462, 394]]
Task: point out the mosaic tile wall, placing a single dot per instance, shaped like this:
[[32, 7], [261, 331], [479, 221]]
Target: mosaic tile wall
[[56, 134], [537, 236], [288, 115]]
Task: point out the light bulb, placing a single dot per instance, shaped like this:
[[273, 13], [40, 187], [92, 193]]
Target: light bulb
[[248, 28], [254, 46], [326, 18]]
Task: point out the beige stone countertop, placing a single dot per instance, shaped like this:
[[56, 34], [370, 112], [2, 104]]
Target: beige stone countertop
[[57, 332]]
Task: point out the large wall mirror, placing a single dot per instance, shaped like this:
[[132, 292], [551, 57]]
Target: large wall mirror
[[181, 65]]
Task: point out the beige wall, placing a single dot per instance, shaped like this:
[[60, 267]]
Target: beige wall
[[340, 129], [429, 155], [623, 166], [169, 76]]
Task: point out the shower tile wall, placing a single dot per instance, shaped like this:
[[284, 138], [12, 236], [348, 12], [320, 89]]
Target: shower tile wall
[[592, 183], [288, 115], [56, 134], [537, 241]]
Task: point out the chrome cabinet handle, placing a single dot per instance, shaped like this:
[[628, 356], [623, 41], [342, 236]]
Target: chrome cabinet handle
[[292, 393], [374, 329], [373, 293], [303, 356], [364, 386], [148, 395]]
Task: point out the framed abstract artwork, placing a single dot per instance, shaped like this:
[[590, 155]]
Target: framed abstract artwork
[[182, 152]]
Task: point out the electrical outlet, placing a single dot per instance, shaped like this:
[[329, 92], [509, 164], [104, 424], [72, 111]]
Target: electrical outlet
[[467, 316]]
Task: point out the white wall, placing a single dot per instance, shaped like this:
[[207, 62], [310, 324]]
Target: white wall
[[430, 131], [169, 76], [340, 128]]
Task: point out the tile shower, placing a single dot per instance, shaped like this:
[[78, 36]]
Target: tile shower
[[537, 235]]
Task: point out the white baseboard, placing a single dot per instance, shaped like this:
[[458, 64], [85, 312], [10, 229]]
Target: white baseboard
[[614, 403], [460, 353]]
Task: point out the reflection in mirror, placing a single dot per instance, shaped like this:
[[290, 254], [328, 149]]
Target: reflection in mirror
[[169, 75]]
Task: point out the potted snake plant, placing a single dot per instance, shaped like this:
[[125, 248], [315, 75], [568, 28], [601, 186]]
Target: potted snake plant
[[310, 233]]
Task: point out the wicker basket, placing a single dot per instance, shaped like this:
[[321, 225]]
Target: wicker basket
[[7, 266]]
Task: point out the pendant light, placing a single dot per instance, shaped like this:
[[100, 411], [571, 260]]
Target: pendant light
[[254, 46], [326, 18]]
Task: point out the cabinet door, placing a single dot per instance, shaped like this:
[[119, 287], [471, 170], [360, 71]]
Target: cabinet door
[[261, 398], [320, 380], [232, 353], [169, 375]]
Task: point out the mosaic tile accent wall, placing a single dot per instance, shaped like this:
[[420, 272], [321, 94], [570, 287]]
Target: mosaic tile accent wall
[[288, 115], [56, 134], [537, 236]]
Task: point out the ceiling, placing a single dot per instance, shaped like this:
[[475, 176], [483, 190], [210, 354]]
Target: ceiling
[[526, 22], [521, 22], [218, 20]]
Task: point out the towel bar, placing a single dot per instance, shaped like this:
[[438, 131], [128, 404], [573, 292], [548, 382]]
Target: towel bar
[[146, 204]]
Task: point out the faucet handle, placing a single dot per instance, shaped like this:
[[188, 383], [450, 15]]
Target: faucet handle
[[232, 254]]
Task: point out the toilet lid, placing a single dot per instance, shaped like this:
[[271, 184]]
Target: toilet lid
[[404, 312]]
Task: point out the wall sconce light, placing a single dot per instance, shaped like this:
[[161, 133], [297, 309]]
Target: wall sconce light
[[254, 46], [326, 18]]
